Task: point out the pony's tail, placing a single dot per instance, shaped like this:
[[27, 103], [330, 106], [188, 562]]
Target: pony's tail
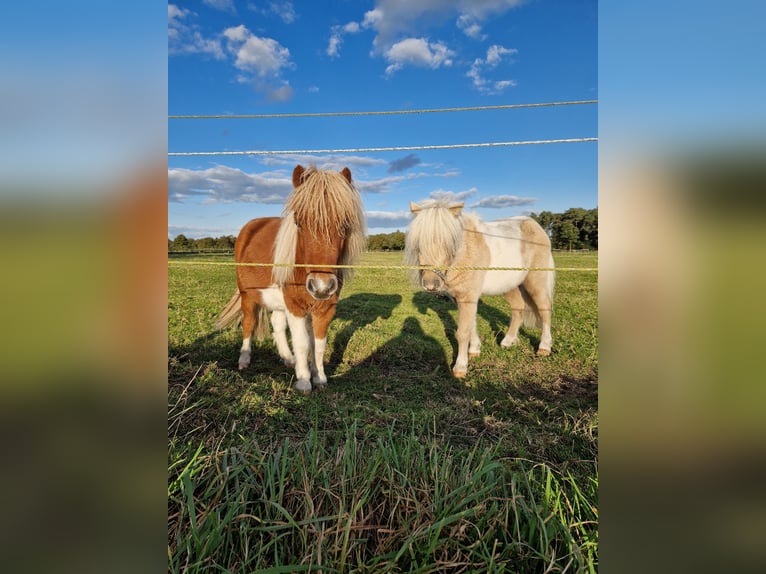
[[262, 330], [231, 313], [530, 316]]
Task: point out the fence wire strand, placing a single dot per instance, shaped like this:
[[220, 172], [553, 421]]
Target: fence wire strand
[[367, 267], [376, 113], [380, 149]]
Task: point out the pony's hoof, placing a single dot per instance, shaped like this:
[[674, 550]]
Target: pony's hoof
[[543, 352], [459, 374], [320, 385], [303, 386], [290, 363], [243, 366], [472, 355], [508, 343]]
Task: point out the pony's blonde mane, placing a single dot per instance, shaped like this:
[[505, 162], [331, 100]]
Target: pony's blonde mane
[[326, 203], [434, 235]]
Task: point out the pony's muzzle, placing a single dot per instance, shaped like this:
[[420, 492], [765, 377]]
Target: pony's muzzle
[[321, 285], [431, 282]]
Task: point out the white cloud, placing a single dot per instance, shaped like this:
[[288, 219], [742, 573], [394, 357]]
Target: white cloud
[[222, 184], [452, 195], [199, 232], [333, 48], [336, 37], [285, 10], [184, 36], [329, 161], [499, 201], [262, 61], [262, 56], [417, 52], [224, 5], [391, 19], [495, 55], [387, 219], [470, 27]]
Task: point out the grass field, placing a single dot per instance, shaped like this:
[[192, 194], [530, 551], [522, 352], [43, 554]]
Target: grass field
[[396, 466]]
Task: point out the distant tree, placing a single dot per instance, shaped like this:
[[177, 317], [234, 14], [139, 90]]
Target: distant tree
[[576, 228], [566, 235], [386, 241], [225, 242], [205, 243], [181, 243]]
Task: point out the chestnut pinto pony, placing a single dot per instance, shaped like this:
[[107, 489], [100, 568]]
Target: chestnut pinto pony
[[440, 235], [322, 224]]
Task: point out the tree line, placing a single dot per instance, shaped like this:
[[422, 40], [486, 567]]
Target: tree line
[[576, 228]]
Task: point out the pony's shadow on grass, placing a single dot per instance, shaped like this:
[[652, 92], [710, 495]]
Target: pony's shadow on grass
[[359, 310], [412, 363], [222, 347], [444, 306]]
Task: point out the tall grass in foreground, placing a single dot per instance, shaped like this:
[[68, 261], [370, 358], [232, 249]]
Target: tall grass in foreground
[[401, 502]]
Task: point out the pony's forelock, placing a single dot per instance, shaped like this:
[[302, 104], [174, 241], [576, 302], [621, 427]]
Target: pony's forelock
[[325, 203], [434, 235]]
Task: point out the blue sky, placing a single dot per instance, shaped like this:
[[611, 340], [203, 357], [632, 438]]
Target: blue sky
[[277, 57]]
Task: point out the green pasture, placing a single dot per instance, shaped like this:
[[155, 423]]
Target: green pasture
[[395, 466]]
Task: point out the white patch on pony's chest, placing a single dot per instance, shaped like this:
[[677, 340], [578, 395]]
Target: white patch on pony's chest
[[273, 299], [504, 243]]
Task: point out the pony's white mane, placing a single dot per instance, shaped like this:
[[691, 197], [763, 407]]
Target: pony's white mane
[[326, 203], [435, 234]]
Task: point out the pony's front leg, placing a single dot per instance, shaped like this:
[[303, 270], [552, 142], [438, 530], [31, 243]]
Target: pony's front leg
[[466, 328], [320, 323], [279, 332], [301, 348]]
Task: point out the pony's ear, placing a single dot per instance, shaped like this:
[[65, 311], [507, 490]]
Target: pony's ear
[[414, 207], [456, 209], [297, 175], [345, 172]]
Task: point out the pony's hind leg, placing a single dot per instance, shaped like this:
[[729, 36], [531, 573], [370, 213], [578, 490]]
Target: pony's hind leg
[[540, 293], [516, 301], [279, 327], [248, 304]]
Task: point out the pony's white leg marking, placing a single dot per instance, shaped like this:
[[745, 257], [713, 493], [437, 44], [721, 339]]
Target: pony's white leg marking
[[474, 345], [546, 340], [279, 327], [517, 304], [301, 346], [512, 336], [244, 353], [466, 323], [319, 378]]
